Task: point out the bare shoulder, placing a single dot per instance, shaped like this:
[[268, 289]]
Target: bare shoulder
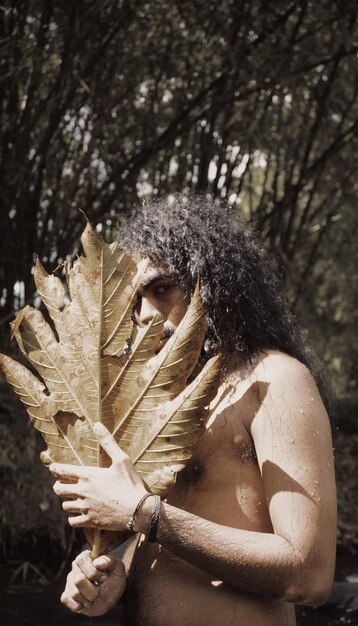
[[277, 401], [275, 372], [274, 368], [290, 405], [280, 386], [279, 376], [278, 367]]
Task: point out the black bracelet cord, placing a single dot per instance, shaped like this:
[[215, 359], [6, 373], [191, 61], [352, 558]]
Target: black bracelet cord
[[132, 518], [153, 528]]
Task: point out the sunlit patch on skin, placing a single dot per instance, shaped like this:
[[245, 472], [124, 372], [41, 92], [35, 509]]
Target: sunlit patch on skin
[[244, 449], [247, 500]]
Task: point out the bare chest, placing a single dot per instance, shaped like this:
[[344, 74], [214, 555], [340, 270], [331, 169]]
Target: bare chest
[[225, 449], [222, 481]]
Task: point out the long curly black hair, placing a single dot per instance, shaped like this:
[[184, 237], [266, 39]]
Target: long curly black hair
[[191, 237]]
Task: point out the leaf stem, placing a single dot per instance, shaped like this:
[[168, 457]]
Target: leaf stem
[[96, 544], [97, 533]]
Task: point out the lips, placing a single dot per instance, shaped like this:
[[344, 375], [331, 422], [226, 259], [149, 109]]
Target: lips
[[163, 340], [169, 331], [161, 344]]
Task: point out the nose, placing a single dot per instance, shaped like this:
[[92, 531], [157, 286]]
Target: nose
[[145, 311]]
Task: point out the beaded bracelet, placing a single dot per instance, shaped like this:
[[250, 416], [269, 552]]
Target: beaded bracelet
[[132, 518], [152, 534]]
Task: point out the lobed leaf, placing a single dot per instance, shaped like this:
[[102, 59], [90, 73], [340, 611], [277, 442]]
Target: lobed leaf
[[93, 364]]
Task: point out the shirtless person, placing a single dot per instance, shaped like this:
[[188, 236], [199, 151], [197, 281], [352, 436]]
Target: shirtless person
[[249, 527]]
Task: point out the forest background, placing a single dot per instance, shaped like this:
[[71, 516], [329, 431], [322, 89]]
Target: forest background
[[105, 103]]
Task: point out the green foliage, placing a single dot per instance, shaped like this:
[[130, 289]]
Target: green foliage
[[346, 452], [328, 304], [106, 102], [31, 514]]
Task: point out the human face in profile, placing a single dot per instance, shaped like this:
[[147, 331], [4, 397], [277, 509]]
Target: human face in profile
[[159, 293]]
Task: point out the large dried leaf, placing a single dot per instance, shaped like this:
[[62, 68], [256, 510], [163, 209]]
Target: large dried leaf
[[95, 365]]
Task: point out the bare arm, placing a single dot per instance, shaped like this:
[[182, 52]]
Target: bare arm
[[292, 437]]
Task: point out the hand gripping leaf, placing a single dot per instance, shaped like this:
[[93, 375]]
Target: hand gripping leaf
[[94, 365]]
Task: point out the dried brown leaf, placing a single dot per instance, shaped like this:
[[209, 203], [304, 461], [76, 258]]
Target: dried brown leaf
[[95, 365]]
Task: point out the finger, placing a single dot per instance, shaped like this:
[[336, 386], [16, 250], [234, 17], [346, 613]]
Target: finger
[[46, 457], [80, 598], [74, 506], [84, 562], [62, 470], [73, 605], [73, 592], [66, 490], [80, 521], [108, 442], [84, 586], [75, 600], [110, 564]]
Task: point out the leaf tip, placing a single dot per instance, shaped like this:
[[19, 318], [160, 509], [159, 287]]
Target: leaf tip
[[84, 215]]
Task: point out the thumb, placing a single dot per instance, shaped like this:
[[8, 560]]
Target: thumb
[[108, 442], [45, 457], [109, 563]]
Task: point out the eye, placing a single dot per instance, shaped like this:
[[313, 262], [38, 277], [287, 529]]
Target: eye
[[163, 288]]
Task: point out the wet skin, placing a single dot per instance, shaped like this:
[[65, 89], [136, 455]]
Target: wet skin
[[222, 483], [249, 527]]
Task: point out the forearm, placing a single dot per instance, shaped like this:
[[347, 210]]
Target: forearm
[[261, 563]]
